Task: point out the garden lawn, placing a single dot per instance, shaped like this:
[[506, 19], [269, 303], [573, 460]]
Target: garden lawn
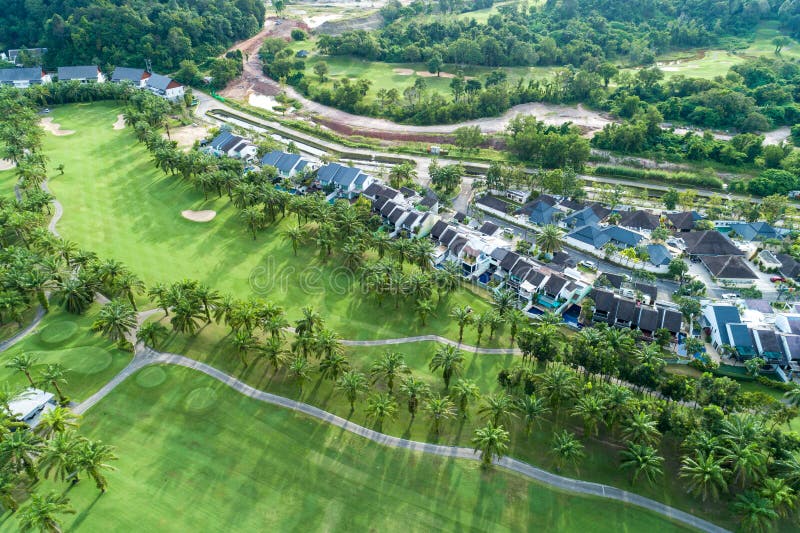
[[196, 455], [8, 179], [601, 464], [63, 338], [119, 206]]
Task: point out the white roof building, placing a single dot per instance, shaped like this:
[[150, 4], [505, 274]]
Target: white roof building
[[31, 405]]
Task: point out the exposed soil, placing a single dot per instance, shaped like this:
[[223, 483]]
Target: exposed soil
[[186, 136], [403, 71]]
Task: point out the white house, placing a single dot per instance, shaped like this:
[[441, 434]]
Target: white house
[[137, 76], [287, 165], [31, 405], [22, 78], [82, 74], [230, 145], [165, 87], [346, 181]]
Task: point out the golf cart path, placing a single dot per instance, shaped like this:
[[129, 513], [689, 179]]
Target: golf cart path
[[434, 338], [147, 356]]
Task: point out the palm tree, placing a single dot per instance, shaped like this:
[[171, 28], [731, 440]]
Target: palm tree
[[295, 236], [19, 451], [352, 384], [76, 293], [54, 375], [244, 341], [533, 410], [23, 362], [640, 428], [515, 319], [503, 301], [253, 218], [558, 384], [116, 320], [464, 391], [333, 365], [549, 240], [462, 316], [158, 292], [498, 408], [380, 407], [644, 460], [480, 322], [747, 462], [208, 297], [93, 458], [42, 512], [439, 408], [57, 420], [381, 241], [567, 449], [310, 322], [388, 367], [186, 316], [415, 390], [449, 360], [59, 456], [492, 442], [300, 370], [591, 409], [128, 284], [423, 309], [782, 496], [8, 489], [704, 474], [151, 333], [755, 511], [273, 353], [793, 396], [327, 343]]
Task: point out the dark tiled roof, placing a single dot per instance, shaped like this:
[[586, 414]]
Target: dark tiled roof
[[410, 219], [128, 74], [709, 242], [429, 200], [498, 254], [554, 285], [647, 289], [626, 311], [792, 344], [389, 193], [388, 207], [438, 229], [162, 83], [759, 305], [648, 319], [639, 219], [83, 72], [790, 268], [379, 203], [509, 260], [604, 301], [405, 191], [397, 214], [521, 269], [489, 228], [728, 267], [21, 74], [373, 190], [670, 319], [659, 255], [615, 279], [447, 236], [535, 278], [724, 315], [683, 221], [457, 244], [460, 217], [494, 203]]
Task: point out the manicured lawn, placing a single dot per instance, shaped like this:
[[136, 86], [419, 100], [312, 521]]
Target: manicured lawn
[[195, 455], [602, 454], [118, 205], [8, 179], [67, 339]]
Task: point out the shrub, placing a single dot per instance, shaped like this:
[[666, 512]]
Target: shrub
[[684, 178], [298, 35]]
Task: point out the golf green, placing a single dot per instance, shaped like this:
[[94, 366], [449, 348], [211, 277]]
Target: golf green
[[246, 466]]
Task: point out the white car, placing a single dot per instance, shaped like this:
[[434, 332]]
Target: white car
[[591, 265], [730, 296]]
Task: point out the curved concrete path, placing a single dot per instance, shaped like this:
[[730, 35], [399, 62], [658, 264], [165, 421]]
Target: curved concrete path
[[21, 334], [434, 338], [147, 356]]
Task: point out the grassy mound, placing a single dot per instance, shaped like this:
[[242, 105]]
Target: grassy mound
[[58, 332], [151, 377]]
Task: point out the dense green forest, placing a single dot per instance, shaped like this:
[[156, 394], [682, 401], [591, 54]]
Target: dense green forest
[[110, 32], [559, 32]]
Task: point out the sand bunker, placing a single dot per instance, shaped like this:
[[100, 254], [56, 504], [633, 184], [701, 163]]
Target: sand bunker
[[120, 123], [426, 74], [6, 164], [403, 71], [54, 127], [199, 216]]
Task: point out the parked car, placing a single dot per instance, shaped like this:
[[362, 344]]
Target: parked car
[[591, 265], [777, 279], [730, 296]]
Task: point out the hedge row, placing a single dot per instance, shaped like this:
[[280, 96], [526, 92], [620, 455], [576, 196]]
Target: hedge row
[[683, 178]]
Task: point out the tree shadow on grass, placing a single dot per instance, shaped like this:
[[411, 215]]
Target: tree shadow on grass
[[85, 512]]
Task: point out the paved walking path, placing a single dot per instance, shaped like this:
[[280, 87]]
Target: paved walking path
[[434, 338], [147, 356], [8, 343], [58, 212]]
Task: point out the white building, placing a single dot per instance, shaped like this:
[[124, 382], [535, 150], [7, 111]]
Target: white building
[[31, 405]]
